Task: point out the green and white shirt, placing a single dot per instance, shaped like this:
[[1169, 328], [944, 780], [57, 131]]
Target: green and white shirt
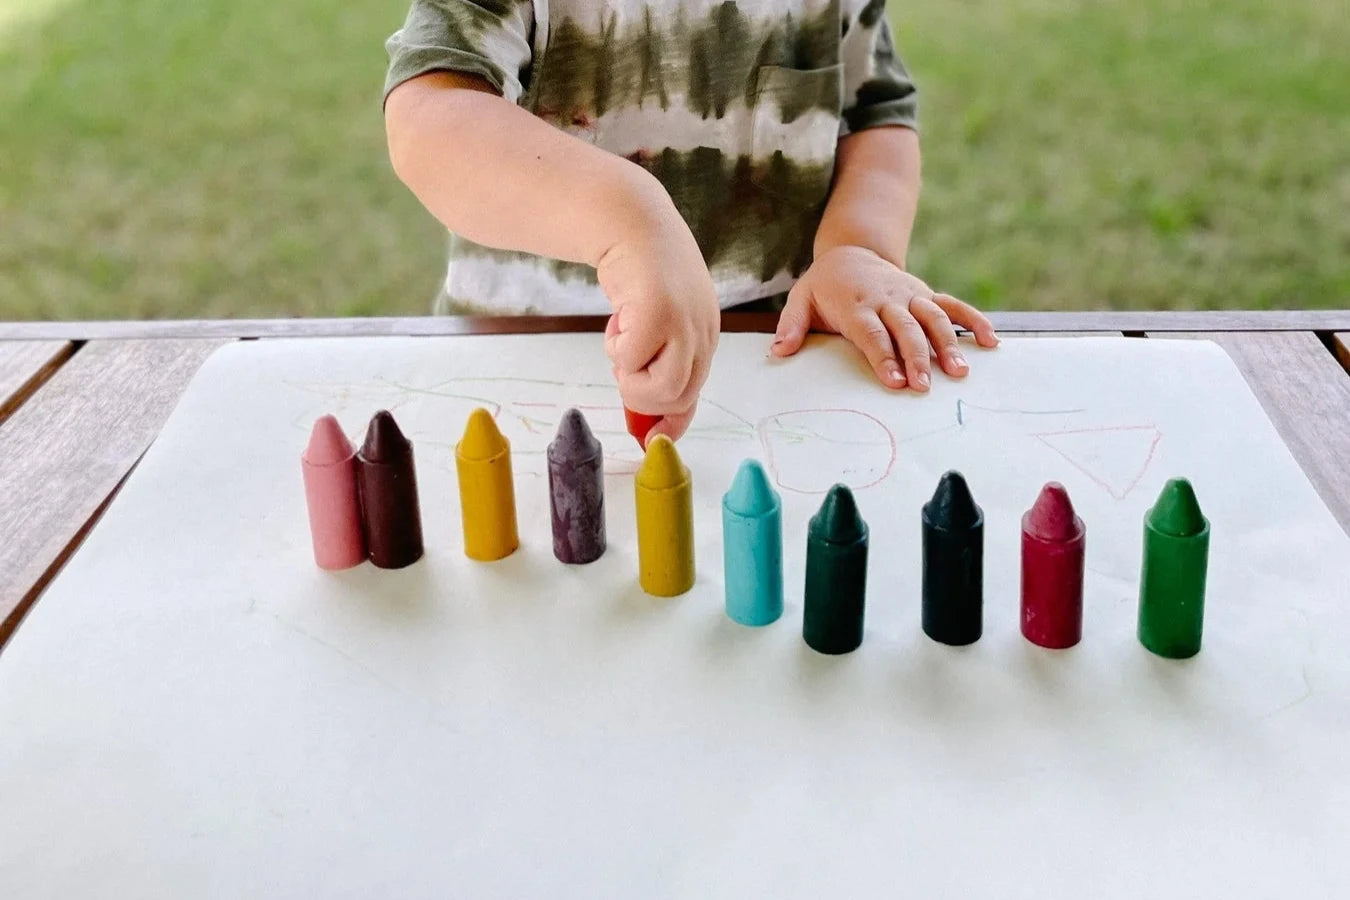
[[736, 107]]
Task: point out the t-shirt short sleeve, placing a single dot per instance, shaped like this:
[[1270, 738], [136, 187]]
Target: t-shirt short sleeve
[[488, 38], [877, 87]]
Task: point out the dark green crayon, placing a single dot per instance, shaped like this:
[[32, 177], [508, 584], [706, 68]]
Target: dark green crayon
[[1172, 584], [836, 575]]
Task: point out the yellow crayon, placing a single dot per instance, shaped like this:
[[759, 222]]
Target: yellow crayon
[[665, 521], [487, 494]]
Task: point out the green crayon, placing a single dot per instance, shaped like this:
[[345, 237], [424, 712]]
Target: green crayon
[[836, 575], [1172, 584]]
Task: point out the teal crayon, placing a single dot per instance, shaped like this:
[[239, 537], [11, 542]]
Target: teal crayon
[[752, 547]]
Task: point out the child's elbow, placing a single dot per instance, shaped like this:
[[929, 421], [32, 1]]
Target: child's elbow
[[420, 111], [400, 129]]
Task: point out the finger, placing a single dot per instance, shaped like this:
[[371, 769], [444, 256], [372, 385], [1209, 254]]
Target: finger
[[793, 322], [674, 425], [671, 371], [942, 335], [909, 337], [967, 316], [702, 368], [867, 332], [663, 387], [631, 343]]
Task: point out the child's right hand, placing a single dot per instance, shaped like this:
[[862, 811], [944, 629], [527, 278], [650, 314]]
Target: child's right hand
[[666, 320]]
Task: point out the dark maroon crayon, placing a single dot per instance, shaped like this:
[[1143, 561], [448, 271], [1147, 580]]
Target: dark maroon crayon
[[389, 509], [576, 487]]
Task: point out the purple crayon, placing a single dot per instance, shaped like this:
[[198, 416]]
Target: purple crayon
[[576, 487]]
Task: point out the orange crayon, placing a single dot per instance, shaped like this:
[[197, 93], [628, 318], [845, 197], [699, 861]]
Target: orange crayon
[[639, 424]]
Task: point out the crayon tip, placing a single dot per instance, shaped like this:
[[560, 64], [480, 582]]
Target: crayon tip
[[838, 520], [750, 493], [482, 438], [639, 424], [574, 440], [661, 468], [952, 505], [1177, 512], [384, 443], [1052, 517], [328, 444]]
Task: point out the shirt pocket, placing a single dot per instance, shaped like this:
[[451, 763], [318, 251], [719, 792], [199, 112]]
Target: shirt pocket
[[795, 132]]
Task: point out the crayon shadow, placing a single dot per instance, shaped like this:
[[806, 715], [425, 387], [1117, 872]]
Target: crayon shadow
[[1048, 670], [410, 594], [935, 683], [828, 681], [725, 639], [1175, 678], [633, 606], [1213, 715]]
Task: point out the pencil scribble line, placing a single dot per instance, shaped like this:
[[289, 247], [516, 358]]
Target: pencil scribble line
[[962, 405]]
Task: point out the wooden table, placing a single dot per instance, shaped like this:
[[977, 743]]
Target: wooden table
[[81, 401]]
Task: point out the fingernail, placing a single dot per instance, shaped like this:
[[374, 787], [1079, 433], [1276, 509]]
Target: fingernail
[[893, 374], [921, 379], [959, 360]]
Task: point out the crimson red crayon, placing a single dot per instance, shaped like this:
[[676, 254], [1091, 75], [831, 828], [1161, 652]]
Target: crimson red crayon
[[1053, 540], [639, 425]]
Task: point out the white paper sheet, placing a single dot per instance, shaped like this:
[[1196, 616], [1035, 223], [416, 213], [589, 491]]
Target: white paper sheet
[[194, 710]]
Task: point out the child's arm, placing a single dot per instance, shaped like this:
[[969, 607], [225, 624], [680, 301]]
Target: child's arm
[[493, 173], [875, 194], [857, 285]]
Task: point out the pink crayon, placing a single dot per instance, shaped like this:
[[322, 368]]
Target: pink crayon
[[329, 466]]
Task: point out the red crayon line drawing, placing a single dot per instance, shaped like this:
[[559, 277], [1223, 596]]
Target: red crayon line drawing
[[772, 428], [1100, 454]]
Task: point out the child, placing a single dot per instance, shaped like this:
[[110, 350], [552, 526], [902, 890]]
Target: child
[[660, 159]]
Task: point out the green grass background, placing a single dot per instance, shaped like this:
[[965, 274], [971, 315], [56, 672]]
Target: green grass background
[[202, 159]]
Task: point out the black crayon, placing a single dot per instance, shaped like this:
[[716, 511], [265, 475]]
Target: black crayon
[[953, 564]]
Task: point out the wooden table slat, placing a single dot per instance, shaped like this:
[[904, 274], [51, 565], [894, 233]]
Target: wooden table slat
[[1307, 395], [24, 366], [1341, 343], [70, 446], [1012, 321], [1061, 334]]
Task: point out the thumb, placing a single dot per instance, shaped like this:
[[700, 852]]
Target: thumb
[[794, 321]]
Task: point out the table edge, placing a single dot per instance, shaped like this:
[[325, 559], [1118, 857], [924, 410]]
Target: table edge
[[1009, 322]]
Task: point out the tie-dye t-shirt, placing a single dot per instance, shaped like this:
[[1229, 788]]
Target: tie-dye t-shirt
[[736, 107]]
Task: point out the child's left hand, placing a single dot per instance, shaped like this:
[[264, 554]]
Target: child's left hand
[[878, 307]]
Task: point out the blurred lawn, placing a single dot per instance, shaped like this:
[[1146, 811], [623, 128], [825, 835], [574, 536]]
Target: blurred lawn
[[208, 158]]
